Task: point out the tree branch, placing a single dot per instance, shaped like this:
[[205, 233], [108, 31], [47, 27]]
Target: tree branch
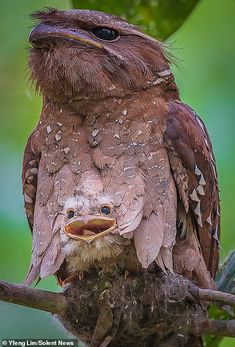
[[212, 296], [34, 298], [213, 327], [61, 304]]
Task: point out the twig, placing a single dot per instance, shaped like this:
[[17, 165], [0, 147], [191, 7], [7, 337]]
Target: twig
[[212, 296], [35, 298], [213, 327]]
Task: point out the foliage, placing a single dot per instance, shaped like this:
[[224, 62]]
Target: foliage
[[226, 277], [160, 18], [225, 281]]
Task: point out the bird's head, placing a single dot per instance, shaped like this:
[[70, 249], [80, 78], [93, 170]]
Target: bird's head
[[89, 232], [88, 218], [82, 54]]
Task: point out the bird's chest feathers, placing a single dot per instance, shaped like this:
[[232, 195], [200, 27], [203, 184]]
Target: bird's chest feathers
[[123, 134], [64, 141]]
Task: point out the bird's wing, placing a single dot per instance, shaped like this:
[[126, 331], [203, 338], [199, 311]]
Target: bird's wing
[[29, 181], [29, 178], [193, 166], [43, 202]]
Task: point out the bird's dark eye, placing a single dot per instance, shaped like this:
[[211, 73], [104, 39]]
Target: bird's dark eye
[[105, 209], [70, 214], [107, 34]]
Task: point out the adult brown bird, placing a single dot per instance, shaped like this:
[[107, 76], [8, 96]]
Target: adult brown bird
[[110, 103]]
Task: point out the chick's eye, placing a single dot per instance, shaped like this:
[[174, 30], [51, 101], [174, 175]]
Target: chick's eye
[[70, 214], [105, 209], [105, 33]]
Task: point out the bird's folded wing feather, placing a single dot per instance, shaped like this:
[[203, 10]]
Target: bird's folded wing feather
[[42, 209], [193, 166], [30, 177]]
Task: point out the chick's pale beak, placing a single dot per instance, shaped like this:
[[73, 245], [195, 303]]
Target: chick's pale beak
[[44, 31], [89, 228]]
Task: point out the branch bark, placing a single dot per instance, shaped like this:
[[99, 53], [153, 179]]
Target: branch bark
[[212, 296], [35, 298]]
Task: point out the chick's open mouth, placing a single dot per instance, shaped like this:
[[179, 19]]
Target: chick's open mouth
[[90, 229]]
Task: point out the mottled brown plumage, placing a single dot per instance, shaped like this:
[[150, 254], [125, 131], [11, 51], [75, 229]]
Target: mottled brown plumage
[[111, 110]]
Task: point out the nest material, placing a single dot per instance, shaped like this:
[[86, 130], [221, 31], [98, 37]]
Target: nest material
[[146, 310]]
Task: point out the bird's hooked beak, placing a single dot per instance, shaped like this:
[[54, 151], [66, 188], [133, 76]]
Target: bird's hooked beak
[[44, 31], [89, 228]]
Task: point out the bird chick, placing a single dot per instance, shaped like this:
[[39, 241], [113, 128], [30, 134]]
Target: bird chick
[[89, 235]]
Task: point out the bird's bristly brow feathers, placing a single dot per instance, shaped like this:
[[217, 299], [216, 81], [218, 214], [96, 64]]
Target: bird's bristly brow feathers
[[79, 53]]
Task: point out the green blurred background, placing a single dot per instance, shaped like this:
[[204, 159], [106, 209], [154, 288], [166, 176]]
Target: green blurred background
[[205, 50]]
